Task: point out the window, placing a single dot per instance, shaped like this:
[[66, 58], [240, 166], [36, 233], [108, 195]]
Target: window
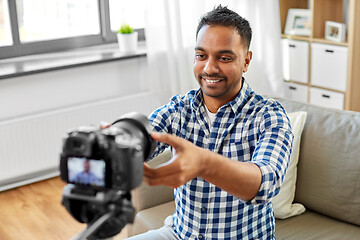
[[39, 26], [130, 12], [5, 29], [54, 19]]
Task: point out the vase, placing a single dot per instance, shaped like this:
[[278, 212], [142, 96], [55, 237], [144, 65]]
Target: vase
[[127, 41]]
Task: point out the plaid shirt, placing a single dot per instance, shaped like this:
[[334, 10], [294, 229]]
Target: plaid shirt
[[247, 129]]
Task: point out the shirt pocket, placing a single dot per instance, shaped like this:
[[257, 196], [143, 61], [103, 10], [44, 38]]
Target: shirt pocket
[[239, 146]]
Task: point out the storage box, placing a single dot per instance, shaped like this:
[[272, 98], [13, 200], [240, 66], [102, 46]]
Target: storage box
[[329, 66], [296, 92], [295, 60], [326, 98]]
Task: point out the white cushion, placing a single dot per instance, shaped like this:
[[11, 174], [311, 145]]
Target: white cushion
[[283, 202]]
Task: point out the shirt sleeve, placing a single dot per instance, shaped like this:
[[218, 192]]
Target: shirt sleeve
[[162, 120], [272, 152]]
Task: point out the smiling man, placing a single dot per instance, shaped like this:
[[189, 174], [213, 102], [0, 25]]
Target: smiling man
[[231, 146], [220, 60]]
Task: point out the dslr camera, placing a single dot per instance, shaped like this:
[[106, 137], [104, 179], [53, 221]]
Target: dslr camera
[[101, 167]]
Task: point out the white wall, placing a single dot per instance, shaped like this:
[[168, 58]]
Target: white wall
[[37, 93], [36, 111]]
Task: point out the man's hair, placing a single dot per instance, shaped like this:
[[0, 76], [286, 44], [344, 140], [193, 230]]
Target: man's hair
[[228, 18]]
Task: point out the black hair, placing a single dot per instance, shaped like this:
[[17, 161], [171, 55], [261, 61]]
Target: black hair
[[225, 17]]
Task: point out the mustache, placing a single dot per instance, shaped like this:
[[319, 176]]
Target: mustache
[[214, 75]]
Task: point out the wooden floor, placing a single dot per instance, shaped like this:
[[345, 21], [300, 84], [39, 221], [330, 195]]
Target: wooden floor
[[35, 212]]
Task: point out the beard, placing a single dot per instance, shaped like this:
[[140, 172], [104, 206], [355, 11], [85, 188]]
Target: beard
[[215, 75], [220, 90], [212, 91]]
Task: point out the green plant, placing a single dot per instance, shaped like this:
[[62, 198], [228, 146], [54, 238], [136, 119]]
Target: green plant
[[125, 29]]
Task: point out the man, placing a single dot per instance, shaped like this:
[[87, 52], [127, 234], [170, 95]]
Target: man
[[231, 147], [86, 176]]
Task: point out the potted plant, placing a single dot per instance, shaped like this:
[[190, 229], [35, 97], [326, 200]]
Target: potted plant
[[127, 38]]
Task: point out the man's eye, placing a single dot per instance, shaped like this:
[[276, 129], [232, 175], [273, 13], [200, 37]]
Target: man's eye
[[200, 56], [225, 59]]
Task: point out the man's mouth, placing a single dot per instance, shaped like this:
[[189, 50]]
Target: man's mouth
[[212, 80]]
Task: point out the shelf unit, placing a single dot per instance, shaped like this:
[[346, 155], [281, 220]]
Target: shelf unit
[[344, 11]]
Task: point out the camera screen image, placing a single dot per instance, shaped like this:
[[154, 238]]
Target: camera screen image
[[85, 171]]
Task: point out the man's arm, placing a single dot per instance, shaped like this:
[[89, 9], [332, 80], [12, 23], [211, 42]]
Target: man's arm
[[240, 179], [162, 119]]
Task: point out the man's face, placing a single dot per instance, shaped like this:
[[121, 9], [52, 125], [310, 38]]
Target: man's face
[[220, 60], [86, 166]]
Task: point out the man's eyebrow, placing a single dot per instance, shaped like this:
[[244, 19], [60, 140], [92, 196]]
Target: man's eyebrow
[[221, 51], [227, 51], [199, 49]]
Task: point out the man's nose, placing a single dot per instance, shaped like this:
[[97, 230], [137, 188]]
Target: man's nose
[[211, 66]]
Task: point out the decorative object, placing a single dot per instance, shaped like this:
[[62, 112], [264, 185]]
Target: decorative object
[[335, 31], [127, 38], [298, 22]]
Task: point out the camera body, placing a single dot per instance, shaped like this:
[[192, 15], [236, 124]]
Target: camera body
[[109, 158], [102, 166]]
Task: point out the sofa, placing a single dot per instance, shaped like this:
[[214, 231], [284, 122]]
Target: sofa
[[327, 184]]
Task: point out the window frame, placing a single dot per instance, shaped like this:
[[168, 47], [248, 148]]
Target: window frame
[[18, 49]]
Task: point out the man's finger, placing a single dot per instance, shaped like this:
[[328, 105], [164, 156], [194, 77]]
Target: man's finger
[[170, 181], [170, 139], [161, 171], [148, 171]]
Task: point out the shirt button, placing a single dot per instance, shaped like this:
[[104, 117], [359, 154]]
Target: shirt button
[[203, 209], [201, 236]]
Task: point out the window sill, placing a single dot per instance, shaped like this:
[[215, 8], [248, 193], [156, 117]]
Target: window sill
[[20, 66]]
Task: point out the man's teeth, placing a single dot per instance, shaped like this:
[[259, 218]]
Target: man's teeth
[[212, 81]]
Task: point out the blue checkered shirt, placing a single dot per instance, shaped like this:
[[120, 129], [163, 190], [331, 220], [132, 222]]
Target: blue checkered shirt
[[248, 129]]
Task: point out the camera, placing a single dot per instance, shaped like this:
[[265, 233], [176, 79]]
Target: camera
[[101, 167], [114, 154]]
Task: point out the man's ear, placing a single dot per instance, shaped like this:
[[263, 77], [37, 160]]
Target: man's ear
[[247, 61]]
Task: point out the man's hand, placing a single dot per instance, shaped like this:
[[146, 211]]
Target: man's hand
[[187, 163], [241, 179]]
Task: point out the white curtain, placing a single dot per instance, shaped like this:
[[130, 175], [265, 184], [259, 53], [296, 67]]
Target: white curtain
[[170, 33]]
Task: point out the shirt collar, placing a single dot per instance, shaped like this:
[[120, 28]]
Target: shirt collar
[[236, 105]]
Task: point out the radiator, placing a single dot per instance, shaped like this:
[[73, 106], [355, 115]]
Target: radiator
[[30, 146]]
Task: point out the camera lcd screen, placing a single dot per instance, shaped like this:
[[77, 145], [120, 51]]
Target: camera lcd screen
[[85, 171]]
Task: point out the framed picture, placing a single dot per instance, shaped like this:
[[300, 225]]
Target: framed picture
[[298, 22], [335, 31]]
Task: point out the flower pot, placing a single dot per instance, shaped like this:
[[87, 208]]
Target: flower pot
[[127, 42]]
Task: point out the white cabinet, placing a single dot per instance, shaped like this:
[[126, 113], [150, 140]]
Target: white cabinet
[[326, 98], [295, 60], [296, 92], [332, 65], [329, 66]]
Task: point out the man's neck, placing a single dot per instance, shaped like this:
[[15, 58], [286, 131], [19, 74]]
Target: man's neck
[[213, 104]]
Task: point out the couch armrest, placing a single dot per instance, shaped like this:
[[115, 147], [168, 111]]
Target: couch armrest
[[144, 196], [152, 218]]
